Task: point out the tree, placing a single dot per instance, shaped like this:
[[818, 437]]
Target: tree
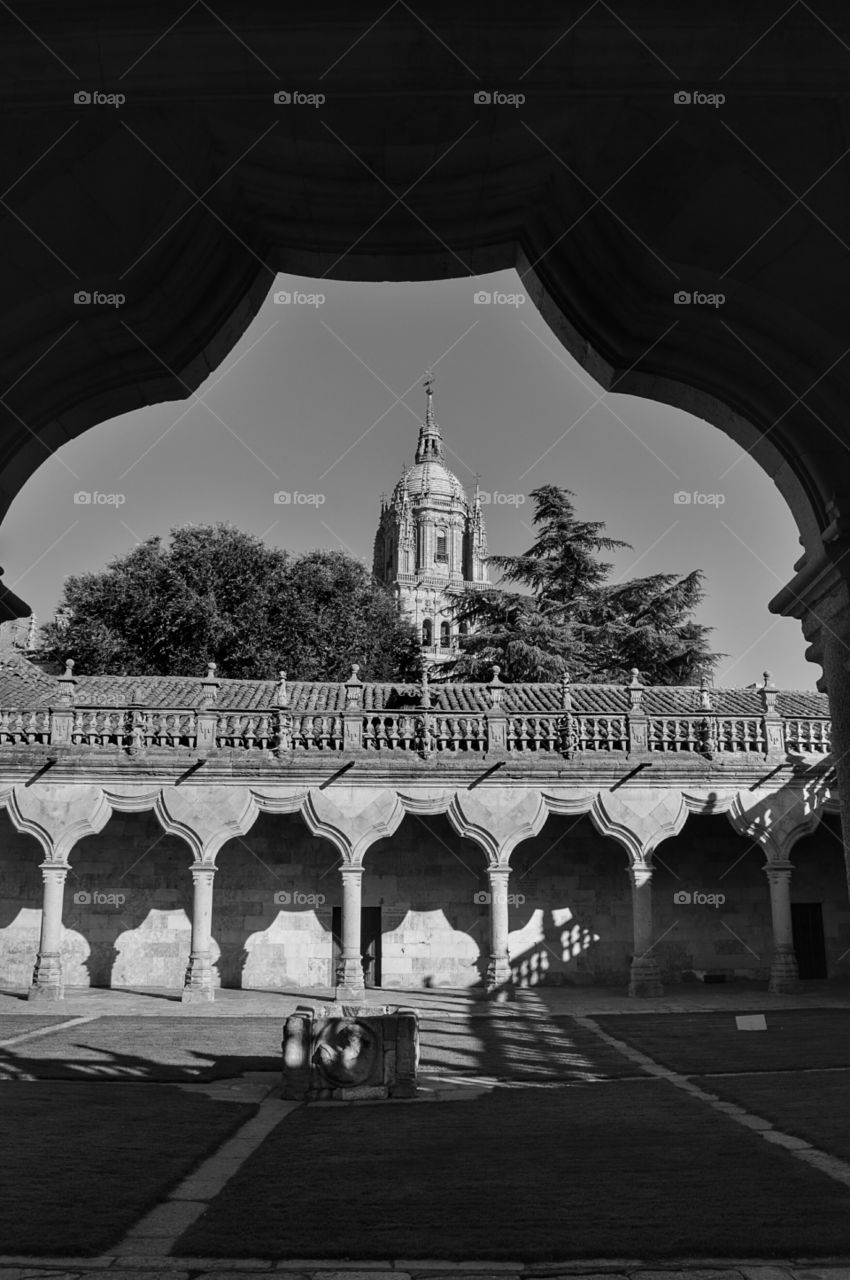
[[572, 618], [216, 594]]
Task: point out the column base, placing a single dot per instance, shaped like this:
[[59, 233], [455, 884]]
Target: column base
[[347, 994], [47, 981], [498, 974], [784, 974], [645, 979], [197, 995], [198, 983], [46, 992], [349, 976]]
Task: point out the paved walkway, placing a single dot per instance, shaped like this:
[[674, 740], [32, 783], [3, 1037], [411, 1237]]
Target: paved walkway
[[110, 1267], [582, 1001]]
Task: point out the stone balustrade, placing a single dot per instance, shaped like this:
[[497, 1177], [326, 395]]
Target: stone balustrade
[[424, 729]]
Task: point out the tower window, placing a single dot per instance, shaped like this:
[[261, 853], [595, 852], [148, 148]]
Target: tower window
[[445, 636], [427, 633], [442, 554]]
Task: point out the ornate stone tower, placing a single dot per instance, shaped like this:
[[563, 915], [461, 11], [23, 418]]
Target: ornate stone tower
[[431, 542]]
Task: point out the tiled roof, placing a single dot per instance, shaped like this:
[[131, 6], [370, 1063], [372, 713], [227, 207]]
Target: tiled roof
[[24, 686]]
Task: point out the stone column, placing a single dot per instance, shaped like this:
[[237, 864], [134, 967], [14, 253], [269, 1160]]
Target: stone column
[[499, 967], [349, 974], [639, 818], [784, 975], [198, 983], [644, 976], [47, 981]]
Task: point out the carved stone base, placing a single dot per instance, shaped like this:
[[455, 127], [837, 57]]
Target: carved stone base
[[498, 974], [644, 979], [198, 983], [349, 977], [197, 995], [47, 981], [784, 974], [349, 993]]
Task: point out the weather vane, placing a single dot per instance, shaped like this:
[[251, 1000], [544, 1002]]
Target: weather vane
[[428, 384]]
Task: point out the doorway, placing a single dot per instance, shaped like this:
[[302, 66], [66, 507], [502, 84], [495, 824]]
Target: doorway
[[370, 943], [809, 944]]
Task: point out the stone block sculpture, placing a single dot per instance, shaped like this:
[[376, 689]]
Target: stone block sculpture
[[357, 1052]]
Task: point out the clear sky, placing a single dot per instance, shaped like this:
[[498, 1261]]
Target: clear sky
[[323, 401]]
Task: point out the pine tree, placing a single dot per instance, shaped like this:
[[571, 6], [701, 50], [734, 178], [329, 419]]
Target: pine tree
[[572, 618]]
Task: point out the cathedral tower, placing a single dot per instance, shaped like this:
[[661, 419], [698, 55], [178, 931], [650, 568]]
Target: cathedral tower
[[431, 543]]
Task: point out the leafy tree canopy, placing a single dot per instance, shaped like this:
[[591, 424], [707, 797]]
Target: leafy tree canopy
[[216, 594], [574, 618]]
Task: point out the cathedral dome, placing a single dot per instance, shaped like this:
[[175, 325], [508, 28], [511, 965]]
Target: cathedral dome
[[430, 476]]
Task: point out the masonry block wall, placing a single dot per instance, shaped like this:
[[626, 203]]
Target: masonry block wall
[[276, 889]]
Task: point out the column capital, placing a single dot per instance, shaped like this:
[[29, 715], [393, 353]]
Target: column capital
[[640, 872], [54, 870], [202, 870], [778, 869], [351, 870]]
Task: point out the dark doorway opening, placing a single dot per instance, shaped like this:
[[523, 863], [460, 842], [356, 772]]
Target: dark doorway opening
[[809, 945], [370, 943]]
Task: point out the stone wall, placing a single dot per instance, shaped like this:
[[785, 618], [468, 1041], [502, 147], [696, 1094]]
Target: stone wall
[[276, 888]]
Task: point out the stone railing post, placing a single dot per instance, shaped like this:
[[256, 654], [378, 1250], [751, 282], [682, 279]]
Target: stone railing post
[[47, 981], [62, 713], [774, 729], [495, 719], [637, 720], [352, 716], [282, 719], [426, 745], [207, 716]]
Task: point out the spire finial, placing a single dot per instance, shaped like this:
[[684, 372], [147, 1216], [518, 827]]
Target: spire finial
[[430, 446]]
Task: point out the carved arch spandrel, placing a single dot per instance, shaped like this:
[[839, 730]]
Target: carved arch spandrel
[[206, 816], [58, 815], [498, 819], [354, 819], [640, 819], [779, 819]]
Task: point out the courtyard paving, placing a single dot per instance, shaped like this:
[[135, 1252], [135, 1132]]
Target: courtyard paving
[[606, 1062]]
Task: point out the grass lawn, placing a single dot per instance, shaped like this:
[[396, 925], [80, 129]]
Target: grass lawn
[[176, 1049], [705, 1042], [813, 1105], [17, 1024], [81, 1165], [628, 1169], [519, 1048]]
